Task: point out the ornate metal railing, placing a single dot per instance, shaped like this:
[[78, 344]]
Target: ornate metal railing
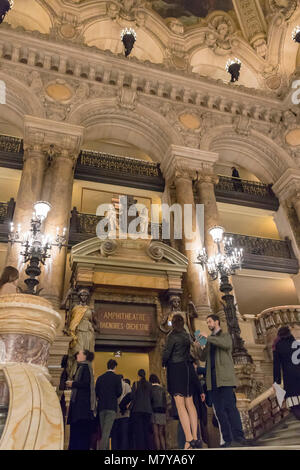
[[265, 413], [267, 322], [124, 171], [266, 253], [248, 193], [10, 144], [83, 226]]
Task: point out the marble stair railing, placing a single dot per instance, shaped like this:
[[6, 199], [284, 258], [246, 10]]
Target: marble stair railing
[[265, 413]]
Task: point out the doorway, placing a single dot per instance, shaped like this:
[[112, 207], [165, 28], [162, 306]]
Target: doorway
[[128, 363]]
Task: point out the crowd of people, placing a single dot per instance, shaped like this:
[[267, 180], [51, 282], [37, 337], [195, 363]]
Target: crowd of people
[[135, 417]]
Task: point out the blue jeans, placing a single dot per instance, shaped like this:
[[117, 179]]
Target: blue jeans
[[224, 401]]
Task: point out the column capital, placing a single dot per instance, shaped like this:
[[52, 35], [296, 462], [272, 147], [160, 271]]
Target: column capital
[[186, 161], [43, 133], [211, 178], [288, 184]]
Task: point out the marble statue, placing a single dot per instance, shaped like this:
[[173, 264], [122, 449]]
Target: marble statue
[[81, 329]]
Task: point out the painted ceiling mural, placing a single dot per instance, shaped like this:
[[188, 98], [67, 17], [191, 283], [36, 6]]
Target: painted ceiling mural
[[189, 11]]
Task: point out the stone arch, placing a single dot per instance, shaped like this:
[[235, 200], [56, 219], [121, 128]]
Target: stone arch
[[255, 152], [32, 15], [105, 34], [20, 100], [141, 127]]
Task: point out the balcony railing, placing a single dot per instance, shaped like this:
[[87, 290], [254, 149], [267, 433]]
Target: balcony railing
[[246, 193], [117, 170], [83, 227], [266, 254], [267, 322]]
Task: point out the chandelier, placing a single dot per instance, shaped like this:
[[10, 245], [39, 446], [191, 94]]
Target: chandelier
[[296, 34], [5, 6], [233, 66], [36, 245], [225, 262], [128, 37]]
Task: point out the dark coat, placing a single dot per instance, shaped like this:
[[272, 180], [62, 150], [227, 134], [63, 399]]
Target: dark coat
[[177, 348], [108, 390], [142, 397], [80, 409], [285, 356]]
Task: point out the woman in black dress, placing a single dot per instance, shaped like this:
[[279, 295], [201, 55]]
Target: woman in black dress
[[180, 377], [286, 355], [83, 402]]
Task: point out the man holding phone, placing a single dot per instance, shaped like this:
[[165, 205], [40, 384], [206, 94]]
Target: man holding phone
[[221, 380]]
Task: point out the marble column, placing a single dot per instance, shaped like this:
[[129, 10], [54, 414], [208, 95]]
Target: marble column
[[61, 147], [30, 188], [180, 165], [206, 191]]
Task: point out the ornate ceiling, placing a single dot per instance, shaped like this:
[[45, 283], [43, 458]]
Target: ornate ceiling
[[187, 35]]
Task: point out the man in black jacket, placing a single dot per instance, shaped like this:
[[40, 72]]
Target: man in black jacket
[[108, 390]]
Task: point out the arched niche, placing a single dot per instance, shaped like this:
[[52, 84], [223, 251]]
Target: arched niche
[[105, 35], [207, 63], [31, 15], [255, 152]]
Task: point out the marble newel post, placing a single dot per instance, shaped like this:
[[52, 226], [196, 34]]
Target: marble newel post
[[31, 183], [206, 191], [28, 326], [179, 165]]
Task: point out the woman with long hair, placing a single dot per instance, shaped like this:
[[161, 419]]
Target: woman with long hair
[[83, 402], [141, 411], [159, 412], [8, 281], [180, 376], [286, 356]]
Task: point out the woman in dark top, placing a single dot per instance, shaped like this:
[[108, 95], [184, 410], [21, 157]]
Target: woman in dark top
[[180, 376], [141, 411], [83, 402], [286, 356], [159, 405]]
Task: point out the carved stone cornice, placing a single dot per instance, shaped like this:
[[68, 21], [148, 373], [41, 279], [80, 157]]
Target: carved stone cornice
[[288, 185], [185, 162], [55, 139], [89, 65]]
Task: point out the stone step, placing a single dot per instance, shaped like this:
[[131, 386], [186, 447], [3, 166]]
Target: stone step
[[287, 433]]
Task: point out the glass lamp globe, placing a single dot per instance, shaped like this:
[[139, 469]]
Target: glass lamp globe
[[41, 209], [217, 233]]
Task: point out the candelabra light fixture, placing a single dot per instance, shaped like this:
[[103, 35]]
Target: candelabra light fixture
[[128, 37], [5, 6], [233, 66], [36, 245], [222, 265], [296, 34]]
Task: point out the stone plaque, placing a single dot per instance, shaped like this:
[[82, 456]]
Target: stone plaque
[[125, 319]]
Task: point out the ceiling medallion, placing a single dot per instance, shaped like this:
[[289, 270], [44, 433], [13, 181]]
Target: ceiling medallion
[[190, 121]]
